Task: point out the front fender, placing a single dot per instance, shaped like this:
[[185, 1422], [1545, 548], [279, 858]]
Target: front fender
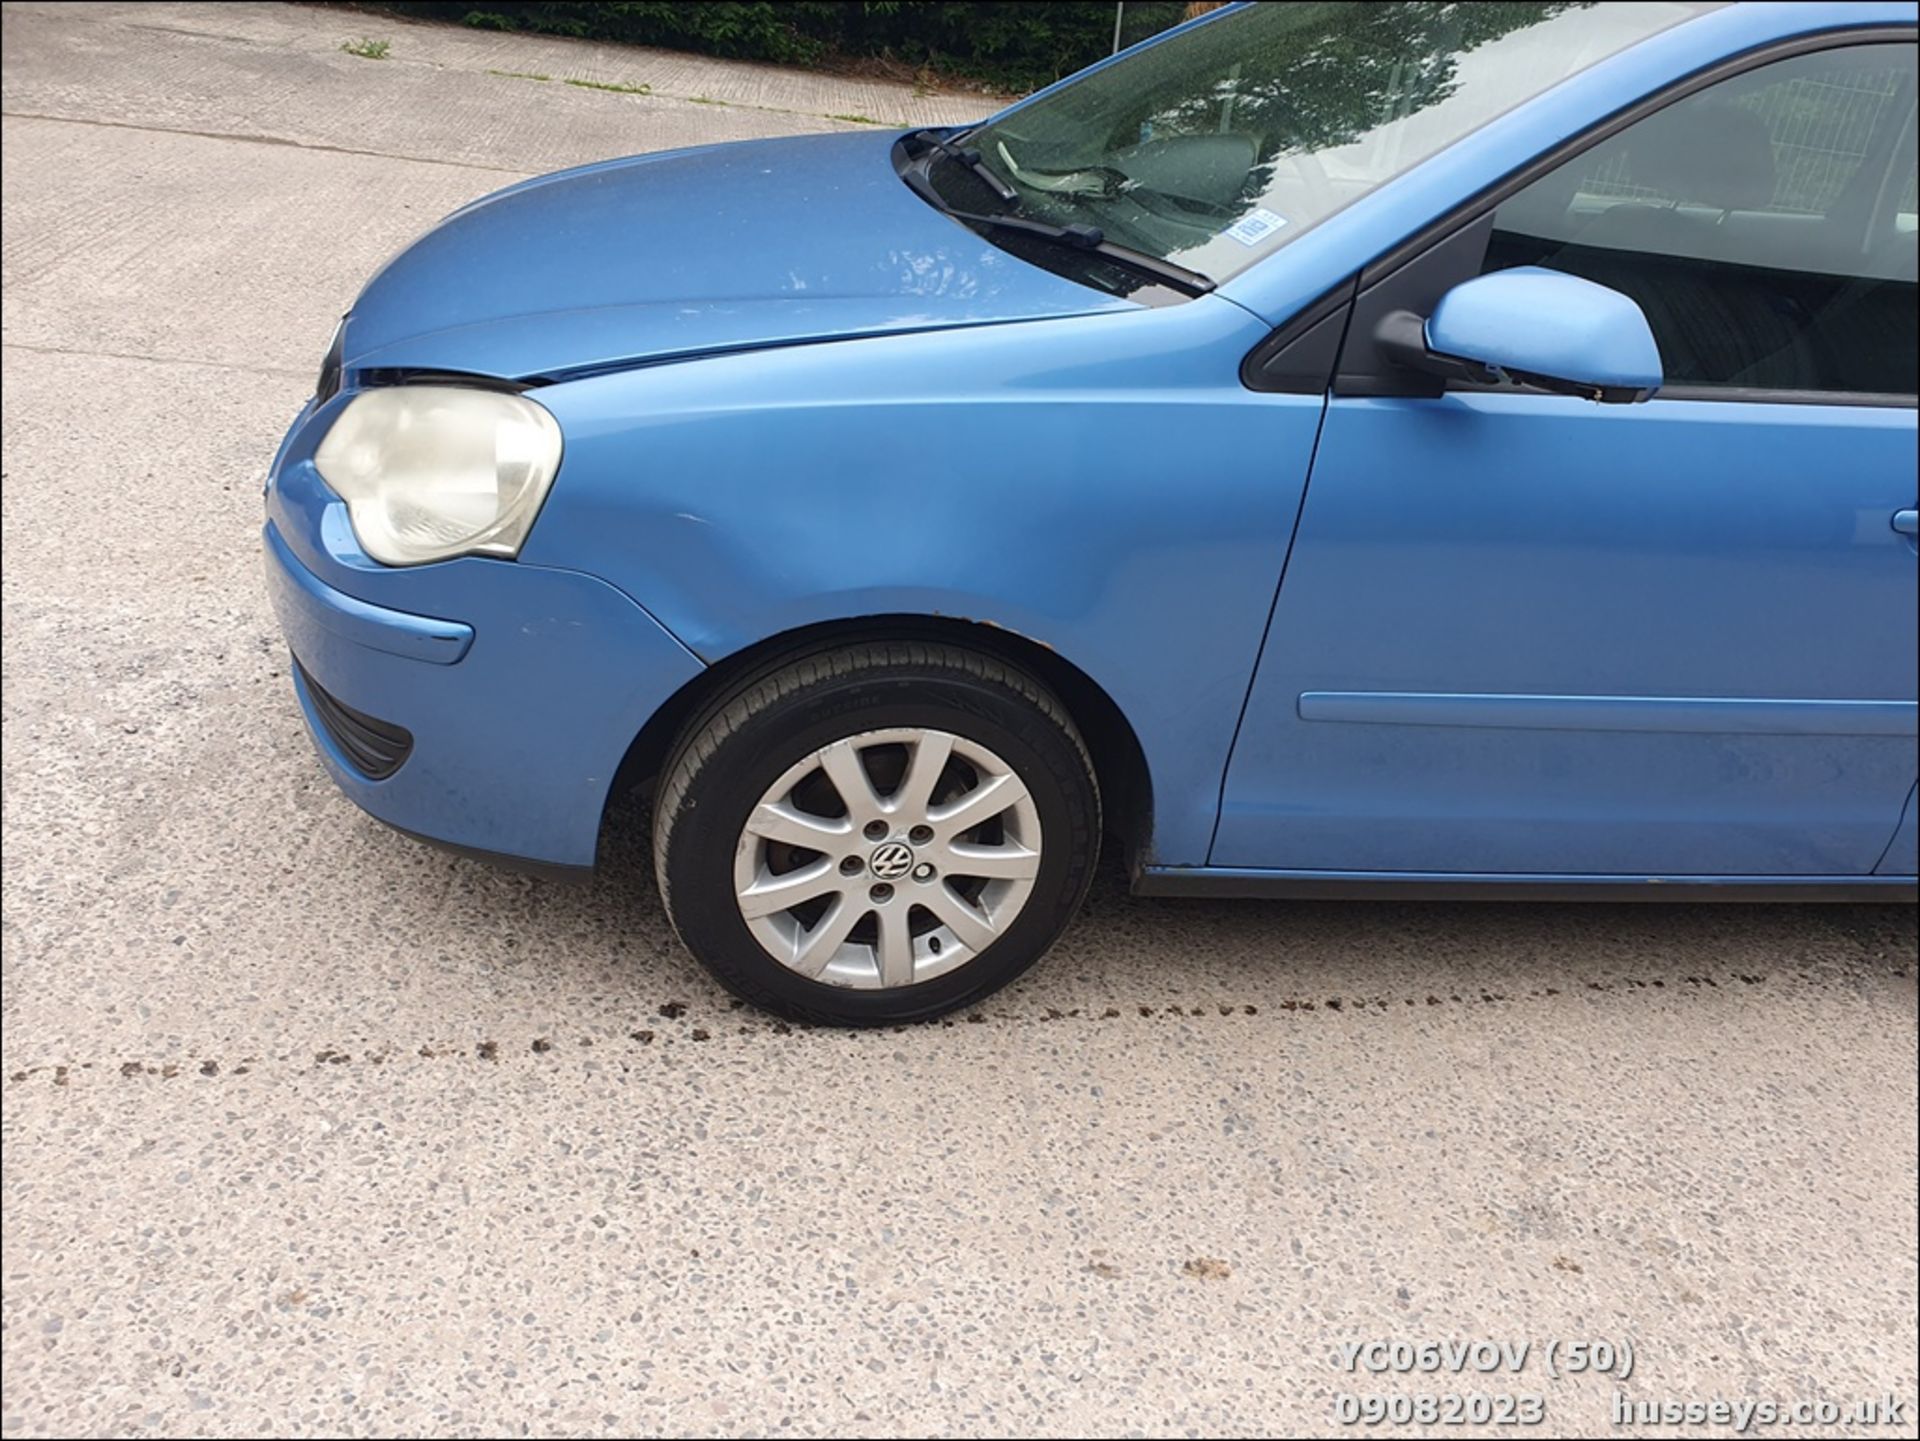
[[1103, 485]]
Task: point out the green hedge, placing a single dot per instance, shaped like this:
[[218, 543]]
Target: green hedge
[[1018, 44]]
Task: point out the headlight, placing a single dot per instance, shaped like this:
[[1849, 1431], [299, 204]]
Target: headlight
[[429, 472]]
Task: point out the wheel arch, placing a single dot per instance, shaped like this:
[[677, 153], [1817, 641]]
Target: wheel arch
[[1119, 762]]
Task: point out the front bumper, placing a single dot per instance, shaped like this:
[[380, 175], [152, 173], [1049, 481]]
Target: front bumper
[[518, 688]]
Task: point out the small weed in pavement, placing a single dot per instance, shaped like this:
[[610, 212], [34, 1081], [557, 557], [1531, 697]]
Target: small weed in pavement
[[615, 86], [367, 49]]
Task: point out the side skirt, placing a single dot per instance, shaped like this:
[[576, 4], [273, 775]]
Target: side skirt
[[1222, 883]]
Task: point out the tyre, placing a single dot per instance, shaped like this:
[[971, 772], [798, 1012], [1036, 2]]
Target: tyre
[[876, 834]]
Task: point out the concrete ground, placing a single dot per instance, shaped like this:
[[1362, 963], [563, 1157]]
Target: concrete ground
[[311, 1129]]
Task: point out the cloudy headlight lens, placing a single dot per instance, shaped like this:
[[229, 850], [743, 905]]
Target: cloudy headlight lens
[[429, 472]]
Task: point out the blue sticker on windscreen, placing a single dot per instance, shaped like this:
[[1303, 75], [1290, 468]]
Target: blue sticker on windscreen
[[1254, 228]]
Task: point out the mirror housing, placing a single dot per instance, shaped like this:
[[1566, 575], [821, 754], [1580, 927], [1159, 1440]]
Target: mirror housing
[[1536, 326]]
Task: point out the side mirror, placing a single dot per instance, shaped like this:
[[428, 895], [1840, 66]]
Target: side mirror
[[1537, 326]]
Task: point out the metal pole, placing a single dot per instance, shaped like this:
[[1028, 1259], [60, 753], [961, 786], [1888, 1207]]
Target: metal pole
[[1118, 7]]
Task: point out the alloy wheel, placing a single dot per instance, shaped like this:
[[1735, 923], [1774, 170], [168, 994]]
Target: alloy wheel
[[887, 858]]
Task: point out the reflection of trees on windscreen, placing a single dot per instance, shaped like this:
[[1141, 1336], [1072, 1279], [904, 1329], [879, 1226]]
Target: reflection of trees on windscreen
[[1338, 71]]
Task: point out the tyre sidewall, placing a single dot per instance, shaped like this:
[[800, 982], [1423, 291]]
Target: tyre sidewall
[[703, 837]]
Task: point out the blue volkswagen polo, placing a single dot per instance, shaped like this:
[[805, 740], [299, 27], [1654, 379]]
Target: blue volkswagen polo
[[1332, 449]]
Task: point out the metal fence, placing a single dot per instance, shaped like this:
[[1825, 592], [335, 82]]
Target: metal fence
[[1820, 126]]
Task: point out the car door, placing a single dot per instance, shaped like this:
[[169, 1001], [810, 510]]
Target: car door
[[1520, 633]]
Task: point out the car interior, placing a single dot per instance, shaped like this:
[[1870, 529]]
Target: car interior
[[1766, 226], [1766, 253]]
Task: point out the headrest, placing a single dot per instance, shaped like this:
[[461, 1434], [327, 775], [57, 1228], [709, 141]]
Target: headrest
[[1713, 154]]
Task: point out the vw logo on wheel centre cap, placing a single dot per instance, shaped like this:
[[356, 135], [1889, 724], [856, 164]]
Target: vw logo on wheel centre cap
[[891, 861]]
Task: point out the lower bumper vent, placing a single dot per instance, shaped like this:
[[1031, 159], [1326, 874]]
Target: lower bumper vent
[[375, 748]]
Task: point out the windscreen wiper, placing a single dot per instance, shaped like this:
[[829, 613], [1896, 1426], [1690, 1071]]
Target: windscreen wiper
[[1088, 238], [1093, 240], [970, 159]]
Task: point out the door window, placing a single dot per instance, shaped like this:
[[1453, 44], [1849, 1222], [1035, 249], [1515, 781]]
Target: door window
[[1766, 225]]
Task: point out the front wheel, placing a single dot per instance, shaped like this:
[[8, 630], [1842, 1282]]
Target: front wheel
[[876, 834]]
